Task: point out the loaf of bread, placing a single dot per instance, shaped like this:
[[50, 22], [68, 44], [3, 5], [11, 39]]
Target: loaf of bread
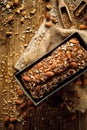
[[53, 69]]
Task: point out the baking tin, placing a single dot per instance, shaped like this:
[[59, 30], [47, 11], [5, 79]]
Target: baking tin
[[80, 7], [58, 86]]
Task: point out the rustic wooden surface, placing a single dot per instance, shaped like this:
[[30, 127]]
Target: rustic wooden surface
[[45, 116]]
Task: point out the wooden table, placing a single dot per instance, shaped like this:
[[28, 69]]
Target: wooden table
[[14, 37]]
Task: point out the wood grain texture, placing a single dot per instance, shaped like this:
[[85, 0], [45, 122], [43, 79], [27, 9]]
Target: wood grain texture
[[45, 117]]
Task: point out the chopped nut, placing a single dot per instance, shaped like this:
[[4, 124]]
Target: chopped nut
[[33, 11], [23, 13], [8, 33], [48, 6], [9, 5], [10, 18]]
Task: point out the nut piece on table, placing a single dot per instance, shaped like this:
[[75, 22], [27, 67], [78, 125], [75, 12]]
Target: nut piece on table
[[82, 26], [48, 24]]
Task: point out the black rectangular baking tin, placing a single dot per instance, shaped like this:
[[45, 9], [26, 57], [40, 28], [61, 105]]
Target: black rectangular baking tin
[[58, 86]]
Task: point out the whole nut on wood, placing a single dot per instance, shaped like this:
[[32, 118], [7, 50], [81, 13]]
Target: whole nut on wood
[[47, 15], [82, 26], [54, 20], [22, 106], [13, 119], [25, 115], [11, 126], [74, 41], [48, 24], [6, 119], [20, 92], [19, 102]]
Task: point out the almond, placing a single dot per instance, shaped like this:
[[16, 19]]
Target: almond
[[26, 78], [20, 92], [73, 64], [30, 103], [39, 65], [49, 74], [24, 115], [53, 66], [78, 82], [37, 88], [6, 119], [11, 126], [22, 106], [48, 24], [73, 41], [19, 102], [10, 18], [13, 119], [23, 13], [54, 20], [47, 15], [82, 26]]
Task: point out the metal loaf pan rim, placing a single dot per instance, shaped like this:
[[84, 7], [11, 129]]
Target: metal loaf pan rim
[[65, 82]]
